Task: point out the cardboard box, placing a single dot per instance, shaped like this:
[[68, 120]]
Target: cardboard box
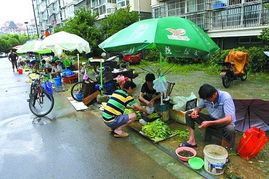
[[178, 116]]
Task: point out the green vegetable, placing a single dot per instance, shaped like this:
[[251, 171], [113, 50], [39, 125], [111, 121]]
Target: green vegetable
[[184, 134], [129, 111], [153, 116], [157, 130]]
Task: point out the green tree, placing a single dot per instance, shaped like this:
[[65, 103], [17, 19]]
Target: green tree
[[265, 32], [83, 25], [8, 41], [117, 21]]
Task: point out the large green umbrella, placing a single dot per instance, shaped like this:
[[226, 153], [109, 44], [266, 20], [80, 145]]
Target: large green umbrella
[[172, 36]]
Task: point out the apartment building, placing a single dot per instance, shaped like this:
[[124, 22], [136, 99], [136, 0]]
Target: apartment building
[[48, 14], [51, 13], [106, 7], [230, 23]]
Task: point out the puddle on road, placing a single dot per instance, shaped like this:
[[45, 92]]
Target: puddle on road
[[42, 120]]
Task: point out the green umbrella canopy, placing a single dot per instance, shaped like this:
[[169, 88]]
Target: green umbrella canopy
[[172, 36], [33, 46]]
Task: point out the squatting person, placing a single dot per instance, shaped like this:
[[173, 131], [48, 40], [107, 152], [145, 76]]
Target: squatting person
[[113, 112]]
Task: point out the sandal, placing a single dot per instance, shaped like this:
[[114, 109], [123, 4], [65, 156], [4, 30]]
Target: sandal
[[123, 134], [186, 144]]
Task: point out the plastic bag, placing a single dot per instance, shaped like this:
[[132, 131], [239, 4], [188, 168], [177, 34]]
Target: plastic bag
[[67, 73], [85, 76], [180, 101], [251, 143], [160, 84], [47, 86]]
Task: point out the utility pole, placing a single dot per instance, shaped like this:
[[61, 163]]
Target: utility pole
[[37, 31]]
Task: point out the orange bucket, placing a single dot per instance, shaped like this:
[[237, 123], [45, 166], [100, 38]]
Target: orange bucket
[[20, 71]]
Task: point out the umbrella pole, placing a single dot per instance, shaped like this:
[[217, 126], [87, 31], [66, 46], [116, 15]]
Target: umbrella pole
[[78, 66], [101, 75], [160, 64], [160, 75]]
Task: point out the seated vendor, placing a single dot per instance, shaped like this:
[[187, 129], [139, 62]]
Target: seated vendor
[[56, 69], [47, 66], [113, 113], [148, 95], [221, 115]]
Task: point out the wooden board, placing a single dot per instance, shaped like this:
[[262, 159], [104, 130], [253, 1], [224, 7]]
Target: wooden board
[[79, 106]]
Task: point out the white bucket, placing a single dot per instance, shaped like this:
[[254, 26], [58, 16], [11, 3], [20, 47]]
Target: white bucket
[[215, 157]]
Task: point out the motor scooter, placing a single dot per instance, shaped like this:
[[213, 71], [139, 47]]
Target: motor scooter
[[227, 74], [234, 67]]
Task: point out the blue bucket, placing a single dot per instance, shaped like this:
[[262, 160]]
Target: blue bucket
[[79, 96], [58, 81]]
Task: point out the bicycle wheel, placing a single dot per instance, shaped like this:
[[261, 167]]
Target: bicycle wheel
[[41, 103], [76, 91], [31, 90]]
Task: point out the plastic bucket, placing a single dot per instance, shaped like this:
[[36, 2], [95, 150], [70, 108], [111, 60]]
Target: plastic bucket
[[20, 71], [79, 96], [57, 81], [215, 157]]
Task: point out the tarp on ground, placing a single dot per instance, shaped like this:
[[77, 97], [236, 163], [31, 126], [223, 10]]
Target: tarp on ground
[[251, 113]]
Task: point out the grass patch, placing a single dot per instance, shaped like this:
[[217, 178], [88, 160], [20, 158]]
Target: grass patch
[[153, 67]]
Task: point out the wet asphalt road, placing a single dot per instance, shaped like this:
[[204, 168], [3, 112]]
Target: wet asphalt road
[[69, 144]]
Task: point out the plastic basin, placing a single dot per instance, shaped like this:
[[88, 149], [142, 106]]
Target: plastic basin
[[196, 163], [188, 149]]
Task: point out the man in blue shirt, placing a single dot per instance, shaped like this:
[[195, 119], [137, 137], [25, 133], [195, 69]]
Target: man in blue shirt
[[221, 115]]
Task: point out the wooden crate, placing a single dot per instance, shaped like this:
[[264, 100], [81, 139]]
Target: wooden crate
[[71, 79]]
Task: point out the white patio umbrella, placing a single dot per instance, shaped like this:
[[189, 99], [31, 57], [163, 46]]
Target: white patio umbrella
[[65, 41]]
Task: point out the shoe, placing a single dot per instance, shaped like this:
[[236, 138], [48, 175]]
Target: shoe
[[122, 135], [186, 144]]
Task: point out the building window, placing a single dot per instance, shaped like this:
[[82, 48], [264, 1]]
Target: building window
[[122, 3], [191, 6], [234, 2], [251, 15], [199, 19], [265, 16], [100, 10], [252, 0], [176, 8], [233, 17], [200, 5], [219, 20], [159, 12]]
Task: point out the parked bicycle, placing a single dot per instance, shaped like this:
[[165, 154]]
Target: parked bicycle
[[41, 100], [89, 85]]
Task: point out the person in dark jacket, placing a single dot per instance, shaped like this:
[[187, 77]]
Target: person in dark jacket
[[13, 58]]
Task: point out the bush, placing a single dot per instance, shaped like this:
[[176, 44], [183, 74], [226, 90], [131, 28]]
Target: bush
[[258, 60], [151, 55]]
